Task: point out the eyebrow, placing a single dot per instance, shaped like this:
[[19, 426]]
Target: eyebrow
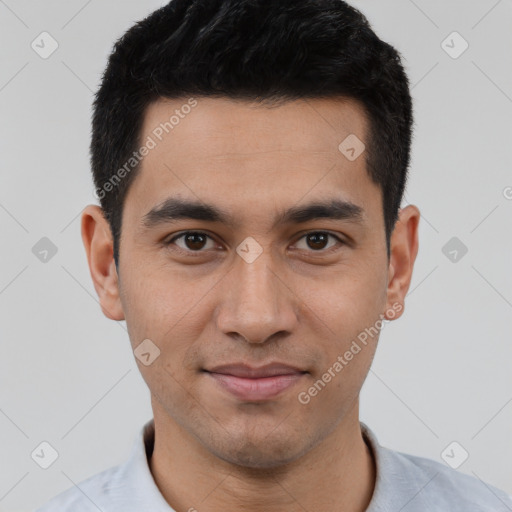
[[174, 209]]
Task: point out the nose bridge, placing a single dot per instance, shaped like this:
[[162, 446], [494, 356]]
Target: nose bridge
[[257, 282], [256, 304]]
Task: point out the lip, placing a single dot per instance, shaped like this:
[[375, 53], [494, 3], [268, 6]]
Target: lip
[[250, 372], [255, 384]]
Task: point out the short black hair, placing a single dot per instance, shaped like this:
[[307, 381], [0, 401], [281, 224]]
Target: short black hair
[[257, 50]]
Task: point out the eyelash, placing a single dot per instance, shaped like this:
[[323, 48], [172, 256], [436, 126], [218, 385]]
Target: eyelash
[[199, 252]]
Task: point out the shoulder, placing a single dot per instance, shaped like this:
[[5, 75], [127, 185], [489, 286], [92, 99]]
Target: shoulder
[[411, 483], [128, 486], [444, 488], [89, 495]]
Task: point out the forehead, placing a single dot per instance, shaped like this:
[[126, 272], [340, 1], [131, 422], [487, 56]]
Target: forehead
[[251, 157], [301, 126]]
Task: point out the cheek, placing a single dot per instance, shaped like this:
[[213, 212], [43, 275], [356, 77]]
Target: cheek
[[147, 309], [347, 303], [170, 312], [348, 331], [333, 391], [154, 300]]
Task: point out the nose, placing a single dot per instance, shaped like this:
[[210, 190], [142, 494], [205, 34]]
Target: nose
[[257, 301]]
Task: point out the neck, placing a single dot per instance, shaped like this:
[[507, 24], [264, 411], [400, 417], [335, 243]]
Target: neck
[[338, 474]]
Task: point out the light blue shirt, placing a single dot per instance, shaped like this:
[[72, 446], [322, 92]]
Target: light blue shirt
[[404, 483]]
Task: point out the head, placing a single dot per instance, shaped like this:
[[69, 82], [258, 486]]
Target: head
[[288, 126]]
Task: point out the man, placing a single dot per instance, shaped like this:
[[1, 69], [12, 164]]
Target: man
[[250, 158]]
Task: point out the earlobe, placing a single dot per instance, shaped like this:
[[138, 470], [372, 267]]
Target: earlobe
[[404, 248], [98, 244]]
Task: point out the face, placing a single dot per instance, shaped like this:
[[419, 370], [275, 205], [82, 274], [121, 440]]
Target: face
[[255, 275]]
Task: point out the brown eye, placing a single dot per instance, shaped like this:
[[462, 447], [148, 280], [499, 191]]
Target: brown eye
[[197, 242], [193, 241], [316, 241]]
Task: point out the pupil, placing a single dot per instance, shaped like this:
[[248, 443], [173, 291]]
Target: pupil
[[316, 236], [190, 240]]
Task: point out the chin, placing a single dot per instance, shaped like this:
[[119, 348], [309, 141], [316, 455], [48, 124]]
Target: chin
[[266, 452], [253, 458]]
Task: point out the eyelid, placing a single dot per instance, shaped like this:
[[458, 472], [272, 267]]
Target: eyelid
[[304, 234]]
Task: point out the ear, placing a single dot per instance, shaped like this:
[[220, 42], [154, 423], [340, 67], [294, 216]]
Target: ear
[[403, 251], [99, 247]]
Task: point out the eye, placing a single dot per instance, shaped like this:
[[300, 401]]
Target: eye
[[317, 241], [193, 241]]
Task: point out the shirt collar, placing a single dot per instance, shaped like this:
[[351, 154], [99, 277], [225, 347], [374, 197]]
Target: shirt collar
[[135, 478]]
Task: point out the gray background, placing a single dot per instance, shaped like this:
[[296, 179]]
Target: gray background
[[442, 371]]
